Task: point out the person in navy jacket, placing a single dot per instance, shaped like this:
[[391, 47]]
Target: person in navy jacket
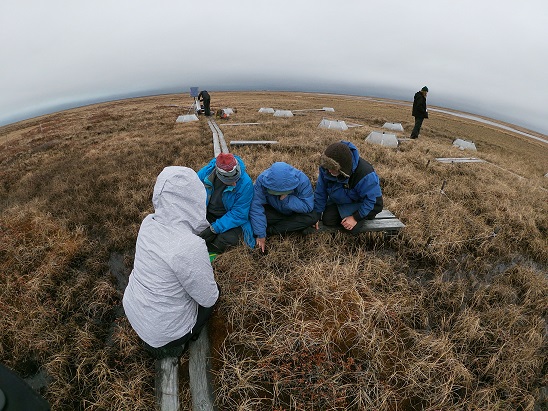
[[229, 193], [419, 111], [206, 98], [283, 202], [348, 191]]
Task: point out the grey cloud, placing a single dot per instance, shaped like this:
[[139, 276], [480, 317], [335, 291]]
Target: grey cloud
[[488, 57]]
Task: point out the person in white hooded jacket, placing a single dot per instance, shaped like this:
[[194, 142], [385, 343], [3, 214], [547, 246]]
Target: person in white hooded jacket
[[172, 289]]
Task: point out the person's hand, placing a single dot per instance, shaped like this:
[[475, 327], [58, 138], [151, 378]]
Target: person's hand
[[261, 243], [283, 196], [208, 234], [317, 225], [349, 222]]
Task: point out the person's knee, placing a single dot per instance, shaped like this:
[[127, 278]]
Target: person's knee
[[310, 219], [225, 240], [331, 217]]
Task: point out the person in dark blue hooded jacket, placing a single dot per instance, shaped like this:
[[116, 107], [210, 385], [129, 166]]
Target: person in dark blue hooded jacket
[[348, 190], [283, 202]]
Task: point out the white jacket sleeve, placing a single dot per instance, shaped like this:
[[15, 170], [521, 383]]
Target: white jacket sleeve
[[194, 271]]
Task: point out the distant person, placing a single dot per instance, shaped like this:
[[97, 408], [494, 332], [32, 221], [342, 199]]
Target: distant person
[[204, 96], [420, 111], [283, 202], [229, 193], [348, 191], [171, 290]]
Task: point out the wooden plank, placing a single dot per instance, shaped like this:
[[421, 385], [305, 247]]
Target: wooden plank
[[224, 147], [385, 214], [308, 109], [251, 142], [167, 382], [315, 109], [240, 124], [460, 160], [386, 224], [220, 137], [199, 367]]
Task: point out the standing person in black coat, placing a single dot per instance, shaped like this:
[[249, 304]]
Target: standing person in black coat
[[204, 96], [419, 110]]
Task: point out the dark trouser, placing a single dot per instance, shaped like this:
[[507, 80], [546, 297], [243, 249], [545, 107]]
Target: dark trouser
[[331, 216], [222, 241], [417, 128], [278, 223], [177, 347], [207, 109]]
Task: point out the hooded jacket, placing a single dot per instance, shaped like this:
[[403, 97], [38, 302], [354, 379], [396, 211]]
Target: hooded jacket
[[171, 273], [237, 201], [280, 177], [356, 195]]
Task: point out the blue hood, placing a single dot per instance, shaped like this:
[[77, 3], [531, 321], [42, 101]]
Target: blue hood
[[280, 177]]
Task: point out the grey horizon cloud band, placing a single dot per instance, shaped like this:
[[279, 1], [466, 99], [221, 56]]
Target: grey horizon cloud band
[[487, 58]]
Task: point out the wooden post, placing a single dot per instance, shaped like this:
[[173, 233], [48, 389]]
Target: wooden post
[[199, 366], [167, 383]]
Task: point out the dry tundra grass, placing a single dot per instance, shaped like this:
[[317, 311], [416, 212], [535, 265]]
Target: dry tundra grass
[[452, 314]]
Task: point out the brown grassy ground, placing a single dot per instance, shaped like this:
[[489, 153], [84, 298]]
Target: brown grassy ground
[[446, 316]]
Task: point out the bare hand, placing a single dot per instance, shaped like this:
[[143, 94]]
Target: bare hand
[[349, 222], [261, 243]]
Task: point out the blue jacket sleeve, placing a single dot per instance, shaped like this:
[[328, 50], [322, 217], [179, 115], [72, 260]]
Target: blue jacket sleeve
[[320, 195], [303, 199], [369, 190], [256, 212]]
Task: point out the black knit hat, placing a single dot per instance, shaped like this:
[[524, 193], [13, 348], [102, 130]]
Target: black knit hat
[[337, 156]]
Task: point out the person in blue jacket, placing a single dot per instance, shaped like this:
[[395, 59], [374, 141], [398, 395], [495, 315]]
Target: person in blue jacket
[[229, 193], [283, 202], [348, 191]]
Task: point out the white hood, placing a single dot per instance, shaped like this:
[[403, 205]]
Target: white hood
[[179, 198]]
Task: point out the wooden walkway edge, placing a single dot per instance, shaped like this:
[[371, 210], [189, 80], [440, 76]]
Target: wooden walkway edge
[[385, 221], [199, 369], [167, 384]]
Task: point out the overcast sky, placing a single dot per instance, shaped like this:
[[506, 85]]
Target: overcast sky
[[487, 57]]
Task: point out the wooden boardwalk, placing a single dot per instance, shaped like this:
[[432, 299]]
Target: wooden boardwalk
[[385, 221]]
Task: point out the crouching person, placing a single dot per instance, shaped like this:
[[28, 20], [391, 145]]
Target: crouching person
[[348, 190], [283, 202], [229, 193], [171, 290]]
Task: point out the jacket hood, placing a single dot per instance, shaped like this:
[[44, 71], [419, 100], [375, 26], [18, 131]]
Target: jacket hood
[[355, 160], [179, 198], [281, 177], [355, 154]]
